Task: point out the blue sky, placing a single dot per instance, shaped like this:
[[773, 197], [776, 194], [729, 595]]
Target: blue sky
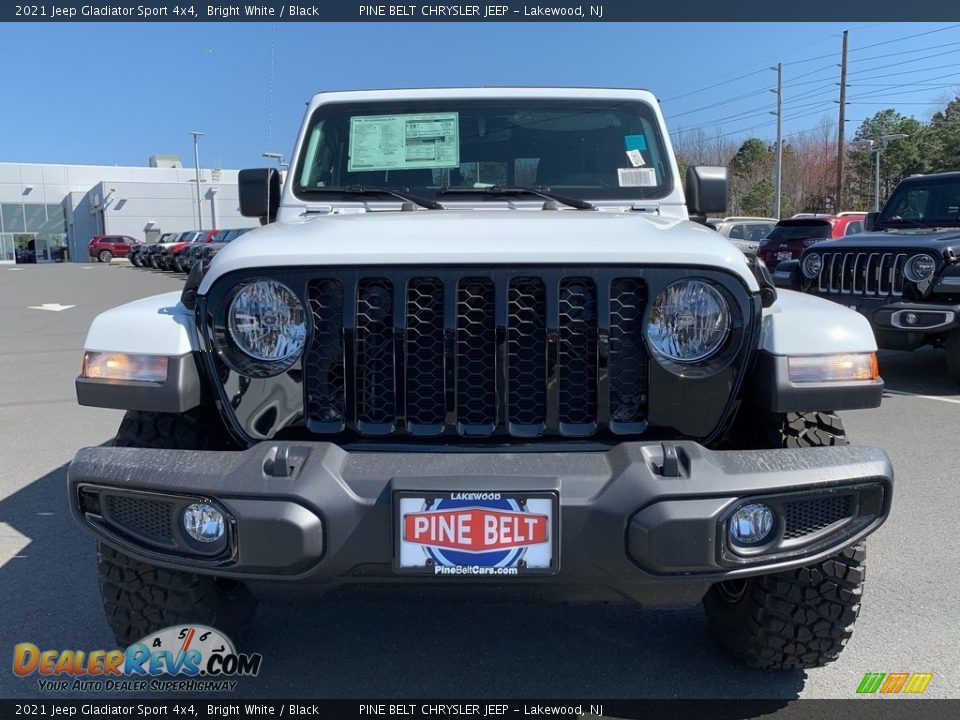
[[115, 93]]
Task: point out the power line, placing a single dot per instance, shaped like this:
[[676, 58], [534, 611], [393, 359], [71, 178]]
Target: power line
[[905, 62], [903, 52], [905, 37], [717, 104]]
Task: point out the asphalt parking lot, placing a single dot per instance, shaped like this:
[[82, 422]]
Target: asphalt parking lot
[[457, 645]]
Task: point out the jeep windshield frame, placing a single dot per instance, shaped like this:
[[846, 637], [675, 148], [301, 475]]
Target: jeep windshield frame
[[580, 148], [926, 203]]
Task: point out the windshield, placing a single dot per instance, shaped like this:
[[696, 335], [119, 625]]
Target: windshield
[[932, 203], [802, 230], [585, 149]]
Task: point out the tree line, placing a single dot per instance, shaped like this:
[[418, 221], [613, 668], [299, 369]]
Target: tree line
[[810, 162]]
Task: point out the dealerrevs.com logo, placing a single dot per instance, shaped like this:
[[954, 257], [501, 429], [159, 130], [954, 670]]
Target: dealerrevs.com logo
[[894, 683], [180, 658]]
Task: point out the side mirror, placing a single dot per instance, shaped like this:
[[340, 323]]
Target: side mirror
[[870, 221], [706, 190], [259, 191]]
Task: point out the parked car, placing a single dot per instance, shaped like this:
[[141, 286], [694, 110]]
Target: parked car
[[170, 256], [792, 236], [155, 255], [904, 276], [744, 232], [104, 248], [561, 402], [139, 251]]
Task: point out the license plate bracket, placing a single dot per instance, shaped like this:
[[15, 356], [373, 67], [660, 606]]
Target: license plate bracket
[[461, 534]]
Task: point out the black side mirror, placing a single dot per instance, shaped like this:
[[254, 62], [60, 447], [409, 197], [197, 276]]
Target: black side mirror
[[706, 190], [870, 221], [259, 191]]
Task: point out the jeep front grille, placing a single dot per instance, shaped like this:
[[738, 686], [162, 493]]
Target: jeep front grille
[[477, 353], [872, 274]]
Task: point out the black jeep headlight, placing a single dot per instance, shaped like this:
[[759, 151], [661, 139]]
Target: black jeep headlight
[[920, 268], [267, 322], [689, 321], [811, 265]]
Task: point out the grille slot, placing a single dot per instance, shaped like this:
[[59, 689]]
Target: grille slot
[[872, 274], [805, 517], [477, 353], [150, 519]]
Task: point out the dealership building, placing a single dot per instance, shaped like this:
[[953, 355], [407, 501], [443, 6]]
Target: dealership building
[[48, 213]]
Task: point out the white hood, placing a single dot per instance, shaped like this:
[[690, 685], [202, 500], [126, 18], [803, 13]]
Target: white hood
[[481, 237]]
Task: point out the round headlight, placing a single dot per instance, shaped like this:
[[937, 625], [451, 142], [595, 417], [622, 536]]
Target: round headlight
[[920, 268], [811, 265], [689, 321], [267, 322]]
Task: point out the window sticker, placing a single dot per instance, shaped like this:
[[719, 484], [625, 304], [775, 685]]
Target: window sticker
[[637, 177], [635, 142], [404, 142], [636, 158]]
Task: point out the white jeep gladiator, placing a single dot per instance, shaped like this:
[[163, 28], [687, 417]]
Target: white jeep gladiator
[[479, 340]]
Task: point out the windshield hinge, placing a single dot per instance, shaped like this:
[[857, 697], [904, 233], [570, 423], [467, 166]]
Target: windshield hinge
[[637, 207], [317, 210]]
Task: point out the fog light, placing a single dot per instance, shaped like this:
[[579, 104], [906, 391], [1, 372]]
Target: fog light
[[751, 524], [203, 522]]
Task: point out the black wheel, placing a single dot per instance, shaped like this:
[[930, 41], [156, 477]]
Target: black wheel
[[799, 618], [135, 260], [177, 265], [791, 620], [952, 346], [104, 256], [140, 598]]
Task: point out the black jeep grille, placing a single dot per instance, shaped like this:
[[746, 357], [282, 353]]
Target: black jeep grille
[[142, 517], [808, 516], [477, 353], [872, 274]]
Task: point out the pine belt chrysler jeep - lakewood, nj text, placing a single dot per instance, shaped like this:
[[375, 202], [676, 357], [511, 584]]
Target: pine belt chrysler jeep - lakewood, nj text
[[479, 341]]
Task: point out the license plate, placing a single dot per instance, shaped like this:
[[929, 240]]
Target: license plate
[[785, 256], [475, 534]]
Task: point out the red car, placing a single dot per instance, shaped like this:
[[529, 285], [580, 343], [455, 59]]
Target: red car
[[790, 237], [105, 248]]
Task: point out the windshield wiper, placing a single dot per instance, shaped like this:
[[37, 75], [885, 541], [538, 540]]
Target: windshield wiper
[[538, 190], [377, 190], [915, 223]]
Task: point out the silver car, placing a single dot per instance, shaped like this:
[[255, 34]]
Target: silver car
[[744, 232]]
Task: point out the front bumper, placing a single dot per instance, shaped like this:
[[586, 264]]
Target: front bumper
[[637, 519]]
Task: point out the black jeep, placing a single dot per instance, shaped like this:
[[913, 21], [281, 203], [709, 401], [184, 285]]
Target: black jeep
[[903, 274]]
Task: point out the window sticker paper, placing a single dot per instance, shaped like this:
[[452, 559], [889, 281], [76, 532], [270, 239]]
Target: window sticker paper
[[635, 142], [404, 142], [637, 177], [636, 158]]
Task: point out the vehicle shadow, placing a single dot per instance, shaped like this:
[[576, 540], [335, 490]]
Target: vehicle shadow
[[383, 643], [921, 372]]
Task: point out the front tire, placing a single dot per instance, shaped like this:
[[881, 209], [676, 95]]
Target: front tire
[[791, 620], [799, 618], [104, 256], [140, 598]]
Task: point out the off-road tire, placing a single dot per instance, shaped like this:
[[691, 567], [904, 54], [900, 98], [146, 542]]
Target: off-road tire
[[952, 346], [799, 618], [140, 598], [104, 256]]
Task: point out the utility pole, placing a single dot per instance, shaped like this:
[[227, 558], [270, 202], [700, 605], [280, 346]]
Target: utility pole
[[196, 165], [841, 150], [778, 172]]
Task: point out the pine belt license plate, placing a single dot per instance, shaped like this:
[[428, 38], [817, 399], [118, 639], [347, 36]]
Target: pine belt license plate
[[475, 534]]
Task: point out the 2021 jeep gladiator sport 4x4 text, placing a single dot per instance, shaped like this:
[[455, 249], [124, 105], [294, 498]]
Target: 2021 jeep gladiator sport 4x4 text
[[479, 341]]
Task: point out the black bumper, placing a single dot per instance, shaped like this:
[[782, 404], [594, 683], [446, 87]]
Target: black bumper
[[630, 520]]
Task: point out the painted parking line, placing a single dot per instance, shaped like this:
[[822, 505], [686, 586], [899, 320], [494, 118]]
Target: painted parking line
[[955, 401]]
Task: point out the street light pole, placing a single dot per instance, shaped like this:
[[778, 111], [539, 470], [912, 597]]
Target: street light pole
[[196, 166], [876, 181]]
